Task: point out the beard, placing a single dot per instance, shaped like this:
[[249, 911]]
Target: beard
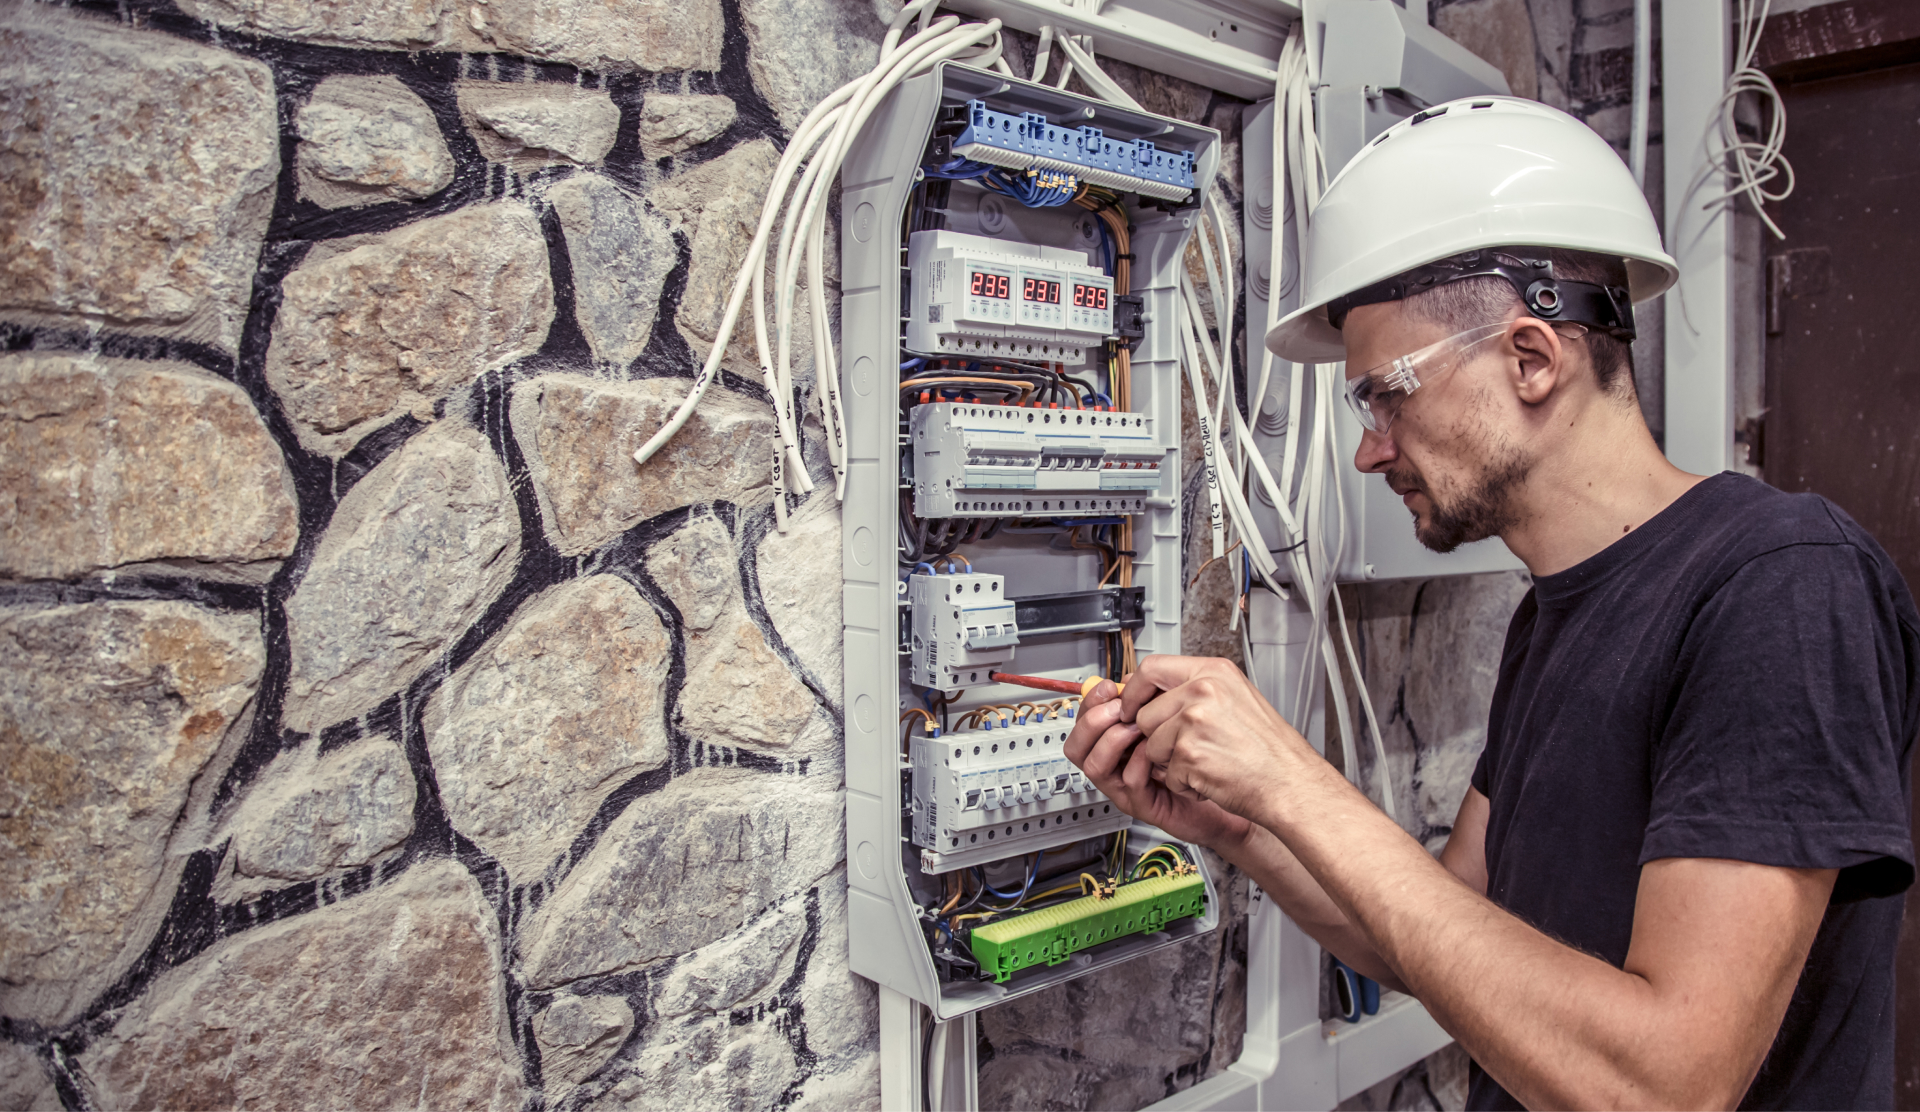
[[1485, 509]]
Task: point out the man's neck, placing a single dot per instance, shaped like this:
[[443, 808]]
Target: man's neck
[[1603, 480]]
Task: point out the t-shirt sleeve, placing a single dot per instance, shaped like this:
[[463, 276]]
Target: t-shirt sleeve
[[1784, 745]]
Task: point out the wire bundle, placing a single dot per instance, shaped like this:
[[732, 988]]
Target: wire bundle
[[814, 156], [1752, 163], [1306, 491]]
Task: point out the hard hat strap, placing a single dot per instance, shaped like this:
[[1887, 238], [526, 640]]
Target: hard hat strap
[[1528, 269]]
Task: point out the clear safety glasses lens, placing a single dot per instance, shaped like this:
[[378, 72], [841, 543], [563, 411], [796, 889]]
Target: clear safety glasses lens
[[1376, 397]]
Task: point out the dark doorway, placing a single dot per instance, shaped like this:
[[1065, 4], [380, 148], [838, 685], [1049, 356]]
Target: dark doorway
[[1843, 352]]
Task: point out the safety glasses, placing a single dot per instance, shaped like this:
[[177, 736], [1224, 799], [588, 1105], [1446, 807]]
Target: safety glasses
[[1376, 397]]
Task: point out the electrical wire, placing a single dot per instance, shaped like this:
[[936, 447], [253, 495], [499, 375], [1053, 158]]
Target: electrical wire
[[820, 143], [1751, 163]]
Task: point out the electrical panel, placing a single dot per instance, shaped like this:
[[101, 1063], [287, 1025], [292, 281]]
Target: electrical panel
[[1007, 461], [1013, 497]]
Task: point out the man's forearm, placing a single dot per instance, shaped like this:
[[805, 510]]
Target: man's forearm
[[1556, 1027], [1287, 882]]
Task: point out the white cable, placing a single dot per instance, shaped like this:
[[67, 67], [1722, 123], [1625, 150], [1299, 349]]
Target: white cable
[[1103, 86], [1642, 90], [821, 142], [1751, 164], [939, 41], [756, 258]]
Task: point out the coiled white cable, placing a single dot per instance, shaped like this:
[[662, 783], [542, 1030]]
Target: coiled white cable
[[1752, 164]]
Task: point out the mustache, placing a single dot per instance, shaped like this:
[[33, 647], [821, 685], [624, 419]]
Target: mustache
[[1403, 482]]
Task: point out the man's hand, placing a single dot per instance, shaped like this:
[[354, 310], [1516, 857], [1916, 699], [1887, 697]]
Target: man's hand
[[1209, 733], [1100, 745]]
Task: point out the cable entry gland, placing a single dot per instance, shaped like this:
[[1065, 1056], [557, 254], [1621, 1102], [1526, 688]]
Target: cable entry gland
[[1038, 479]]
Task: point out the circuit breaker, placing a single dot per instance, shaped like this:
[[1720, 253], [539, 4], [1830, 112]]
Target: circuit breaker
[[982, 795], [963, 628], [1011, 261], [1010, 460]]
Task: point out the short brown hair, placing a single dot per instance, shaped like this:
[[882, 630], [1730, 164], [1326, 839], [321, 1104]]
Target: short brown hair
[[1471, 302]]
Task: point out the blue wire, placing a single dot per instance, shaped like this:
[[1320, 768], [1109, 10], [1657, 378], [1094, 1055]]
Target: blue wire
[[1106, 243], [991, 890], [1032, 872], [959, 169], [912, 363]]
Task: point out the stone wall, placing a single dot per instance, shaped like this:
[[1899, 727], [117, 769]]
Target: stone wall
[[374, 733]]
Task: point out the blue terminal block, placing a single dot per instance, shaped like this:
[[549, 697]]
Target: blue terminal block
[[1029, 141]]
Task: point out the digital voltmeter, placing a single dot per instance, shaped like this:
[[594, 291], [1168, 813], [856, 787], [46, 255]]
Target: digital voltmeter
[[983, 298]]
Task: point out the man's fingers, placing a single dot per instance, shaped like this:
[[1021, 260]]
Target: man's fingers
[[1088, 725], [1102, 692], [1158, 672], [1105, 758]]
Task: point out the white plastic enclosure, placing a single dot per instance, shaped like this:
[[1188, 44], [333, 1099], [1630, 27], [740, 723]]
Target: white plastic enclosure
[[888, 944]]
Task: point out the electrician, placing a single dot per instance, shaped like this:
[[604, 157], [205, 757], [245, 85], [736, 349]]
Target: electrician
[[1676, 878]]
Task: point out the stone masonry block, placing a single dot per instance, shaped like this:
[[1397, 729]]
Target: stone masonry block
[[541, 121], [579, 435], [106, 462], [682, 867], [738, 690], [562, 707], [415, 554], [603, 37], [394, 325], [312, 813], [108, 713], [136, 176], [391, 999], [369, 139], [800, 51], [718, 202], [621, 254], [671, 123], [719, 1036], [801, 589], [390, 24], [576, 1035], [24, 1082]]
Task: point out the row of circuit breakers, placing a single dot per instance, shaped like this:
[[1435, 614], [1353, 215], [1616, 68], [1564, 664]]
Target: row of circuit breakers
[[1001, 787]]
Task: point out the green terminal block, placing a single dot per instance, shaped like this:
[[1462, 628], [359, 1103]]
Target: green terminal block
[[1050, 935]]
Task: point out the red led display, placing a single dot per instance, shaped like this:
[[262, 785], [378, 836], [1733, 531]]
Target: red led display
[[1039, 289], [1089, 297], [990, 285]]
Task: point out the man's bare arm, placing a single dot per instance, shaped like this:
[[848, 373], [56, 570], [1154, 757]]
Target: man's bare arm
[[1717, 946]]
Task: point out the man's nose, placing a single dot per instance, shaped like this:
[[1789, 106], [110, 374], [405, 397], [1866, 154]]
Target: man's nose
[[1377, 452]]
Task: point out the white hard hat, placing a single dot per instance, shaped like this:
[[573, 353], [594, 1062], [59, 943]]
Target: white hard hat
[[1460, 177]]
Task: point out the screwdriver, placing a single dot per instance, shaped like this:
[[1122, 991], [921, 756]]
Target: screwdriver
[[1066, 687]]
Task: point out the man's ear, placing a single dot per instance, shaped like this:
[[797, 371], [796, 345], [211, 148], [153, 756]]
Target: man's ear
[[1540, 363]]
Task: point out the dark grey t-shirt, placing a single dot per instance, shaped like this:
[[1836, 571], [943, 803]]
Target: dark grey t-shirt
[[1738, 678]]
